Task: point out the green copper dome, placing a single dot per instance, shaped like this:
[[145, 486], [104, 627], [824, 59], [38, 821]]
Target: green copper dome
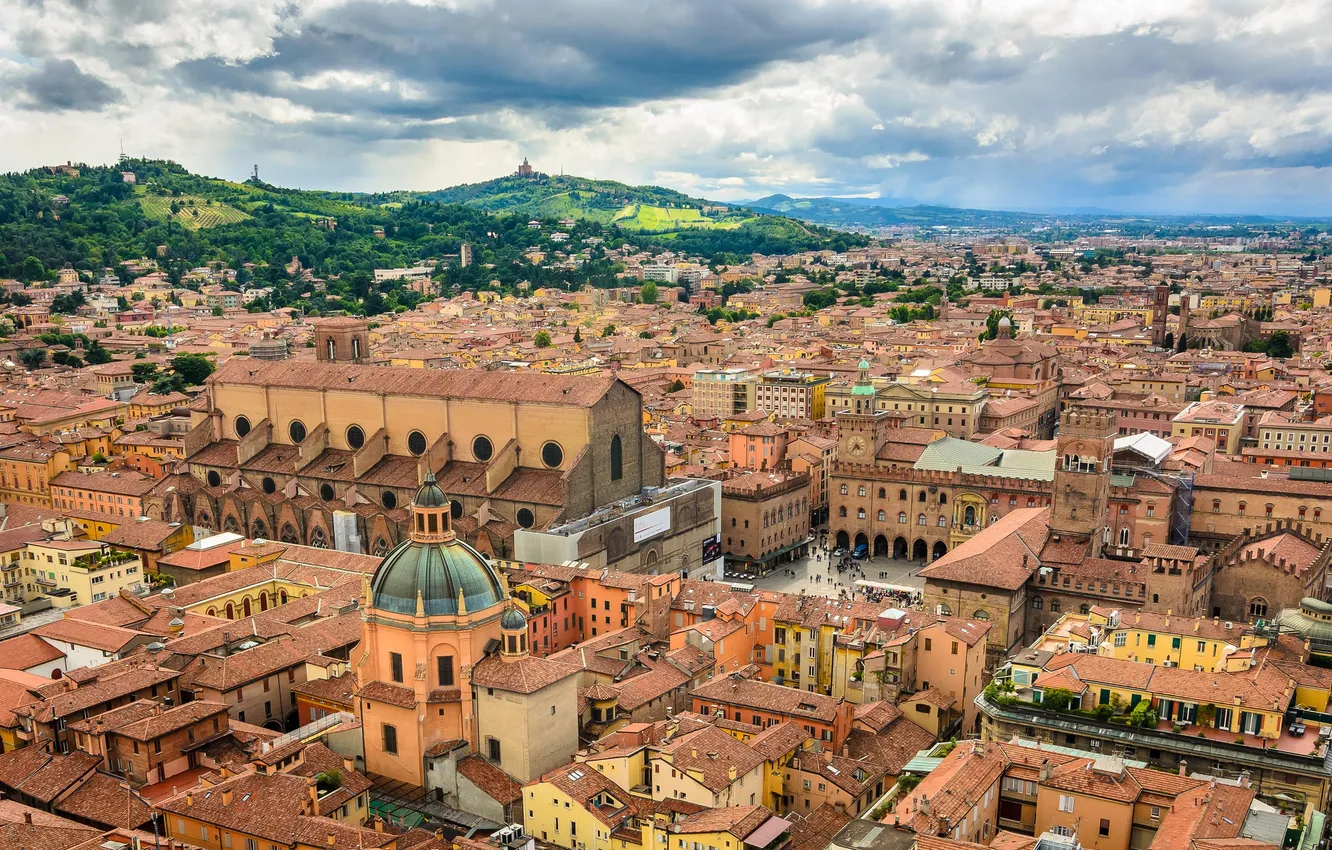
[[513, 619], [439, 572]]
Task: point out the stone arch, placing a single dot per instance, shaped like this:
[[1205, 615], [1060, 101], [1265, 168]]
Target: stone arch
[[919, 550], [843, 539], [380, 548], [940, 549], [880, 545], [686, 516], [230, 523], [258, 529], [319, 537], [289, 534], [615, 543], [861, 540], [899, 548]]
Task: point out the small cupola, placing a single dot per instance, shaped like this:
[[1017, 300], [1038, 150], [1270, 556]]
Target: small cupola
[[431, 520], [513, 634]]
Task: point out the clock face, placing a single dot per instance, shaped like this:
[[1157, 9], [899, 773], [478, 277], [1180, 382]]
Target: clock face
[[856, 446]]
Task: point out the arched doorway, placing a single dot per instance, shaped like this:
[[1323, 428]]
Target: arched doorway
[[862, 540], [231, 611], [843, 540], [245, 607], [880, 545], [919, 550], [263, 600], [900, 548], [940, 549]]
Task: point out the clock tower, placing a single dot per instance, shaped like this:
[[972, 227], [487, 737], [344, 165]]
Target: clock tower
[[860, 429]]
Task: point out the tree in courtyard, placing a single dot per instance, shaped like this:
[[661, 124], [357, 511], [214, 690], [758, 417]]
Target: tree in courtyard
[[33, 358], [192, 369]]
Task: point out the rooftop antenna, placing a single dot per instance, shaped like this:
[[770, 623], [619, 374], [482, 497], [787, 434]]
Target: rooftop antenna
[[255, 175]]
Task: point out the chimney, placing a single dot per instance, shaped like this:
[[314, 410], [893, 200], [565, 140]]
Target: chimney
[[379, 825], [189, 798], [226, 797], [347, 764], [827, 755], [27, 818], [731, 773], [924, 805], [1183, 767], [313, 790], [332, 840]]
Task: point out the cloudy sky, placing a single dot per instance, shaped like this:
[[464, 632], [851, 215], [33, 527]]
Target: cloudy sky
[[1138, 105]]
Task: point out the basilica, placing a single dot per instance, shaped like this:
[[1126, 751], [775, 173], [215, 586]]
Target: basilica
[[445, 667]]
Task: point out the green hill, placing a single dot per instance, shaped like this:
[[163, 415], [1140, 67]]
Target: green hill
[[652, 213], [89, 217], [649, 208]]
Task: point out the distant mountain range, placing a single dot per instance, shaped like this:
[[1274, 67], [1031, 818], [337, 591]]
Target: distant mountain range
[[873, 213], [864, 212]]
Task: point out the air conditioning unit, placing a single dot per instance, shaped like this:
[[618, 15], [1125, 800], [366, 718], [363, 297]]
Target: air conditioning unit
[[1170, 663]]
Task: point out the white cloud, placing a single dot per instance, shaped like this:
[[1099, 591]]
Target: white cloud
[[1168, 104]]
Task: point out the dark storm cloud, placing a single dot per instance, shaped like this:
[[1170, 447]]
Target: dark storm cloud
[[946, 101], [527, 56], [57, 85]]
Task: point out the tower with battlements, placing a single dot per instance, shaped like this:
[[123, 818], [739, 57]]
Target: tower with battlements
[[1086, 445]]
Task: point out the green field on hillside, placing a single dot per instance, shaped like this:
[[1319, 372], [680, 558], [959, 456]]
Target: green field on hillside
[[648, 217], [193, 211]]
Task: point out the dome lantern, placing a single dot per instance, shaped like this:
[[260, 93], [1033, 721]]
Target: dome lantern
[[432, 521], [513, 633], [434, 573]]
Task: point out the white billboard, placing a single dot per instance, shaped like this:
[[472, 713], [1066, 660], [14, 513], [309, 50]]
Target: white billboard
[[650, 525]]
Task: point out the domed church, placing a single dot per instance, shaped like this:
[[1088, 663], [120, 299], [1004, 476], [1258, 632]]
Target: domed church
[[434, 610]]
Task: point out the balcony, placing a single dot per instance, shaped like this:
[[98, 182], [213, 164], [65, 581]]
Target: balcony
[[106, 560], [1305, 757]]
